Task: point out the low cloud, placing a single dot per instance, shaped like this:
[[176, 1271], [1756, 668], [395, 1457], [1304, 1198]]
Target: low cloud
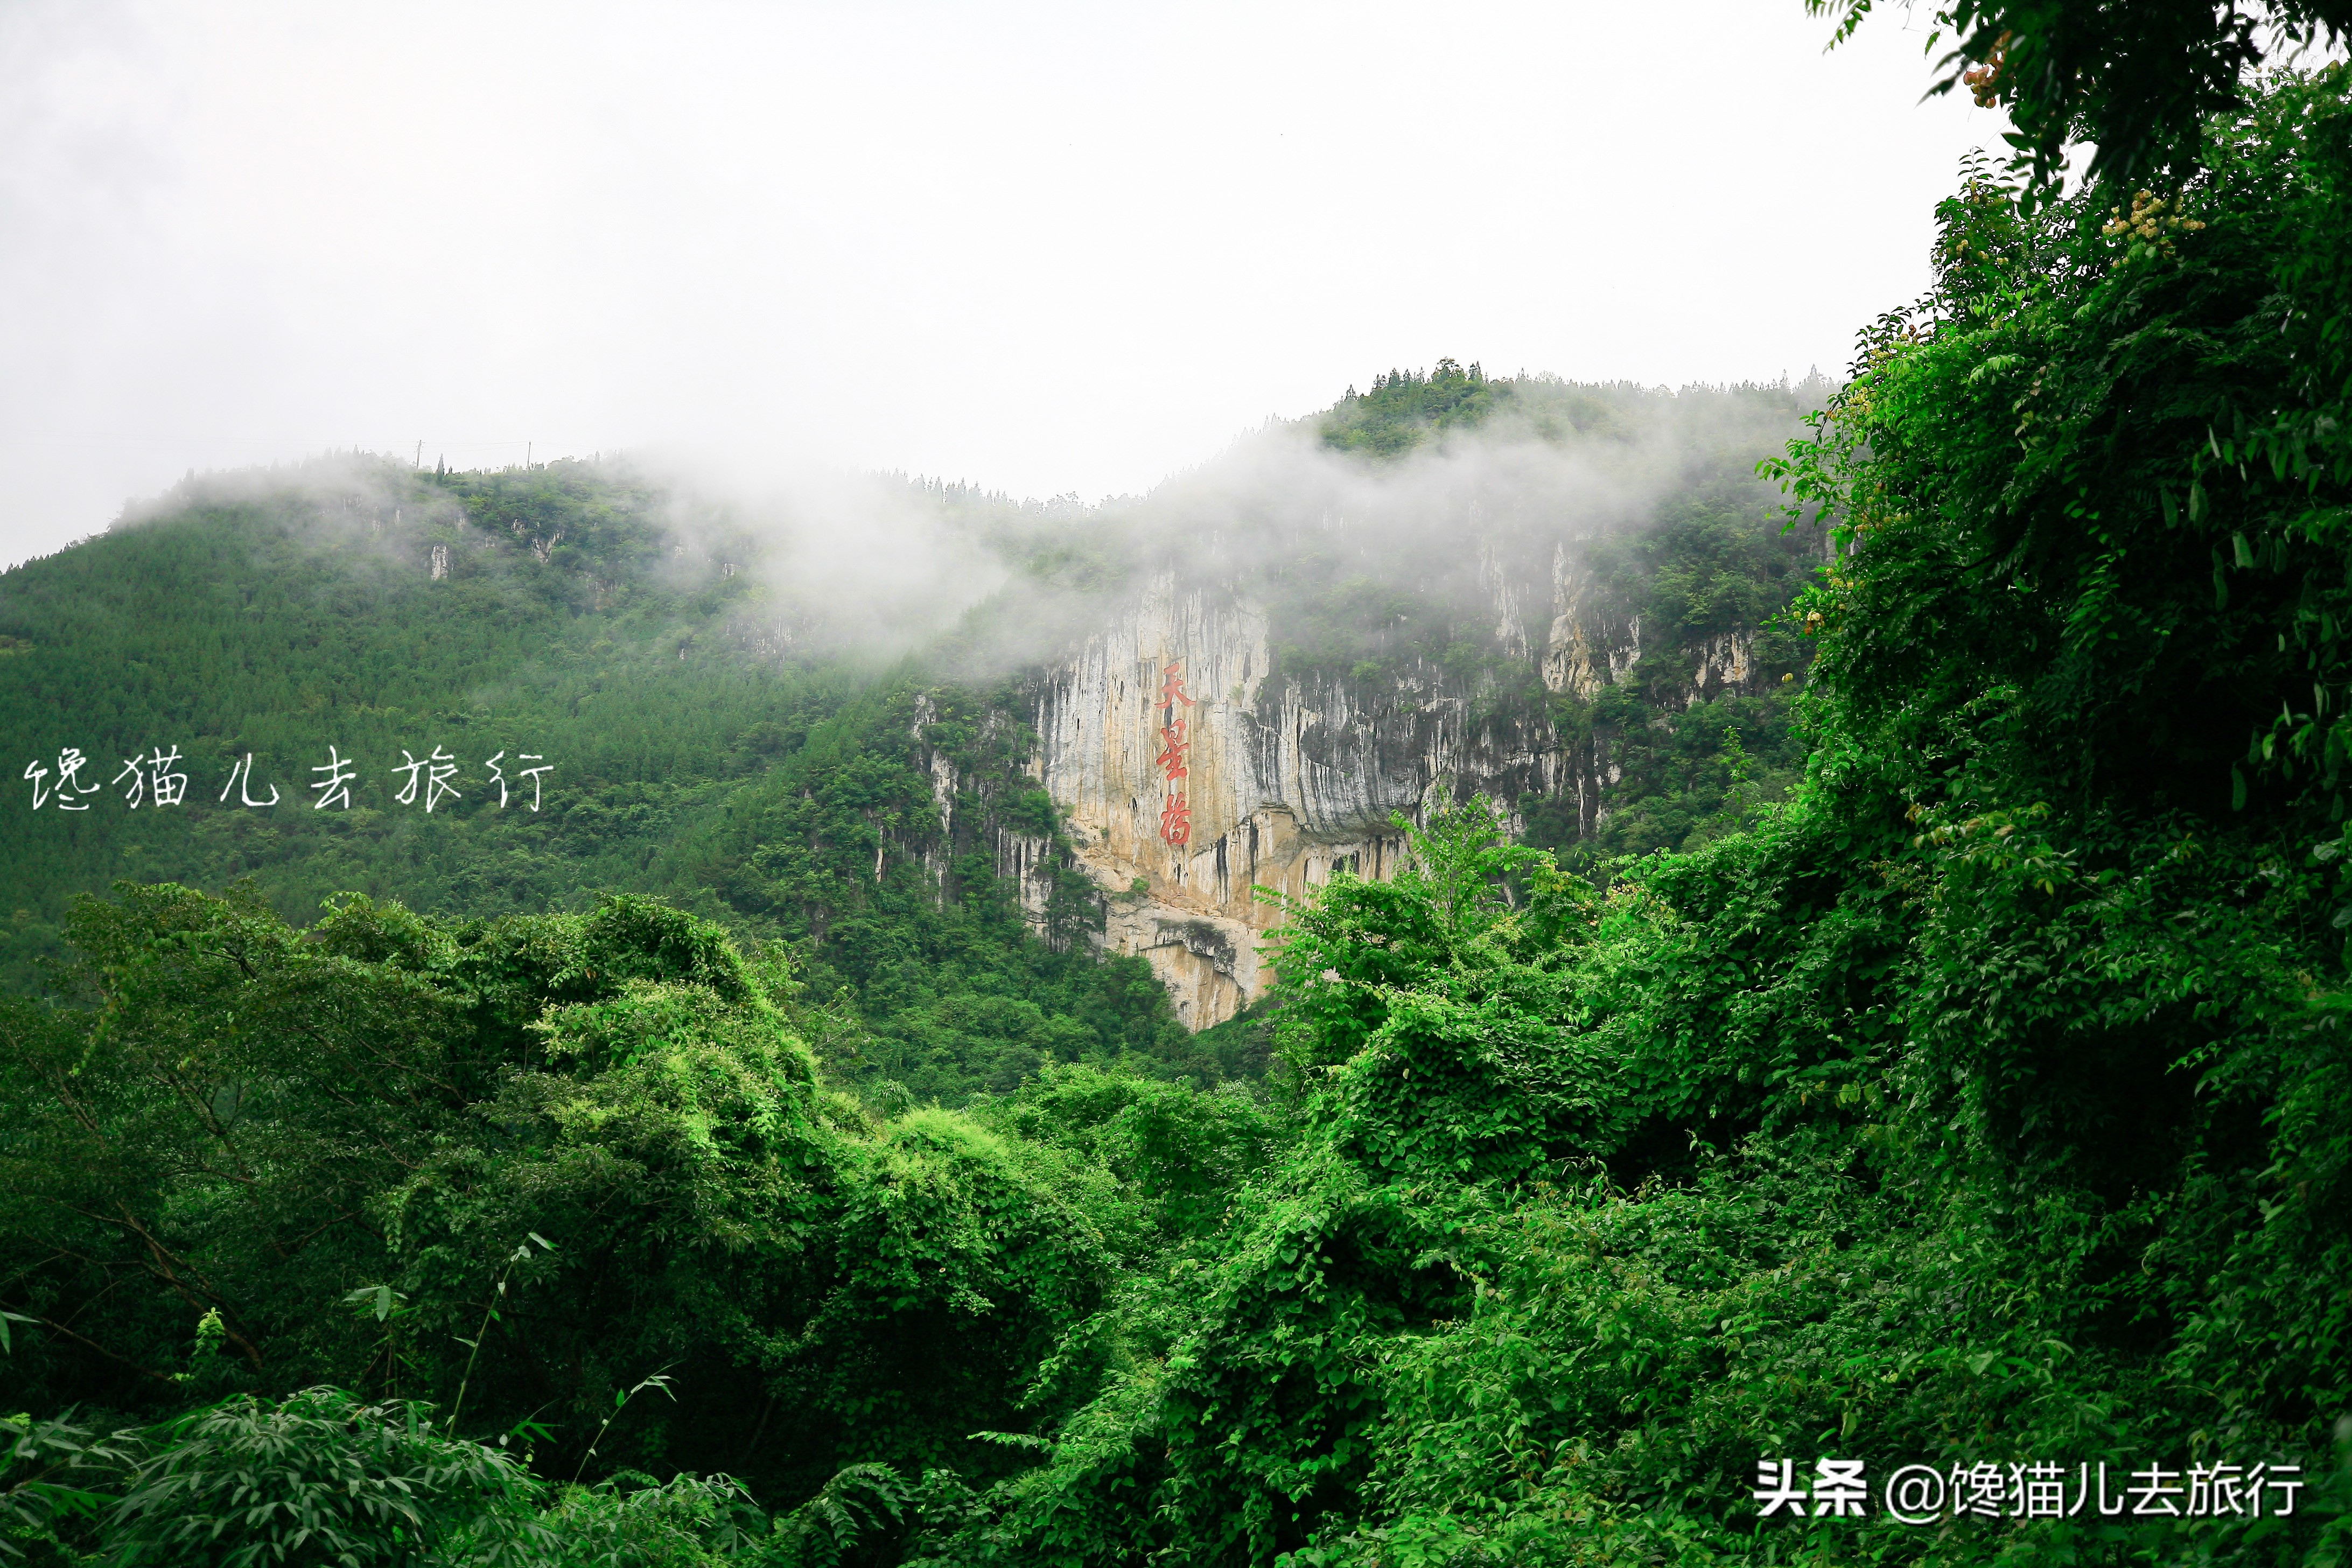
[[1466, 526], [1452, 529]]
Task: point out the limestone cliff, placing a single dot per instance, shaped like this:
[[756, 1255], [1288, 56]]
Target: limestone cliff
[[1290, 775]]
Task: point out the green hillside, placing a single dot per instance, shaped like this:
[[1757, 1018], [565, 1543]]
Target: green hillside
[[303, 614], [640, 647], [296, 618]]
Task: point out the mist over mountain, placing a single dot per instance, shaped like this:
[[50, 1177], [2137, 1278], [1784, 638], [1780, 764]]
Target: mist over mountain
[[688, 659]]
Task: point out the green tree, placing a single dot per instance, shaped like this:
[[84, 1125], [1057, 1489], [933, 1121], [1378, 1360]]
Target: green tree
[[2140, 82], [320, 1478]]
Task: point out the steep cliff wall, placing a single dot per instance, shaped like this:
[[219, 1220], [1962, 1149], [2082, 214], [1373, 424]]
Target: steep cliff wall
[[1288, 776], [1331, 641], [1285, 778]]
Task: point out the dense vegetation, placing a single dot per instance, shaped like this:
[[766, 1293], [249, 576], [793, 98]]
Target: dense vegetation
[[711, 743], [573, 624], [1986, 1100], [1711, 562]]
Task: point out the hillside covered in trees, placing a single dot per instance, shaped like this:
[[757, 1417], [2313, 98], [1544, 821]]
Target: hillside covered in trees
[[1954, 1085], [714, 733]]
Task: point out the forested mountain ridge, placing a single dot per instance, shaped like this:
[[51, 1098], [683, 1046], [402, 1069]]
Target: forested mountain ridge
[[556, 613], [797, 788]]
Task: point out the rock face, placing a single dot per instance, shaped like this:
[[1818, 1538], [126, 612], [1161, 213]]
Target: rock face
[[1287, 777]]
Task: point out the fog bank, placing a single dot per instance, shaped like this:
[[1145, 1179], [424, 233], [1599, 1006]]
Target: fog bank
[[1043, 248]]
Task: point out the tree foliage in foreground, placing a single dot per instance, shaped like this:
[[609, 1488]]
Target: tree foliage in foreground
[[2136, 79], [536, 1173]]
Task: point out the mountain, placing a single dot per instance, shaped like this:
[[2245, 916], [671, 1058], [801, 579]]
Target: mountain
[[660, 669], [1564, 597], [1567, 599]]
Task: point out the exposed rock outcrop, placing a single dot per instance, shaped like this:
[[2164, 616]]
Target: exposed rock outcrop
[[1287, 777], [1493, 677]]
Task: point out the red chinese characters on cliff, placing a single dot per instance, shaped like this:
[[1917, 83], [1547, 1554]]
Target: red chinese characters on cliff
[[1176, 804]]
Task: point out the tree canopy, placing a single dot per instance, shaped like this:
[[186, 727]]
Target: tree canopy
[[2140, 80]]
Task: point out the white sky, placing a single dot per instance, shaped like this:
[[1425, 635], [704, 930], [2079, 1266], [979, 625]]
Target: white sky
[[1045, 248]]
